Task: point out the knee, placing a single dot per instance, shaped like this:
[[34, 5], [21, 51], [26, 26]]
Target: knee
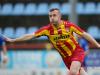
[[73, 72]]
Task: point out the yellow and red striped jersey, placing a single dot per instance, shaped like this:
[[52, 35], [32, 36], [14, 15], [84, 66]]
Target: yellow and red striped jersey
[[61, 37]]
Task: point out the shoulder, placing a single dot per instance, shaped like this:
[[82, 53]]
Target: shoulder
[[68, 23], [46, 27], [72, 25]]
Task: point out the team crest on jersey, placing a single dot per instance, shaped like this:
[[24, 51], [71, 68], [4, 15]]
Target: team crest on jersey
[[59, 37]]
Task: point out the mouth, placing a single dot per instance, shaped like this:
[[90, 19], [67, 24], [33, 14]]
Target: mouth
[[52, 22]]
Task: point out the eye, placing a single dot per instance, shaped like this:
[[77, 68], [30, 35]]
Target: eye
[[54, 15], [50, 15]]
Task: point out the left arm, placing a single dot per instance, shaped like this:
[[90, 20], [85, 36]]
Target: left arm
[[79, 31], [90, 39]]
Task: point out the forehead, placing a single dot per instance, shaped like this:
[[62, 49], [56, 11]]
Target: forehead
[[54, 12]]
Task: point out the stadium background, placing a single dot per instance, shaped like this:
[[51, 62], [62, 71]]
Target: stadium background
[[19, 17]]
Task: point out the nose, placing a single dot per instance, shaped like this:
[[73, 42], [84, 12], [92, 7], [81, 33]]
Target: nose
[[51, 17]]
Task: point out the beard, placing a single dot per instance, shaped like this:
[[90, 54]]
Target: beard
[[54, 22]]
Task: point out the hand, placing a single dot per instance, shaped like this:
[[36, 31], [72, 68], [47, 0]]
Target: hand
[[10, 40], [5, 59], [98, 45], [7, 39]]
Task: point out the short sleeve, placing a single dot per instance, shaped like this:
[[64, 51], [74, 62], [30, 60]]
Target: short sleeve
[[76, 29], [42, 32]]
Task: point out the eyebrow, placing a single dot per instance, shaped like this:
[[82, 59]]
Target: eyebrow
[[53, 14]]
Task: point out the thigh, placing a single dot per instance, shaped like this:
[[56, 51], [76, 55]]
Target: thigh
[[75, 66], [76, 61]]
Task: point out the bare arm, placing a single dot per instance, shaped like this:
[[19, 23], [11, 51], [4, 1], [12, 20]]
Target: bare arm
[[23, 38], [90, 39]]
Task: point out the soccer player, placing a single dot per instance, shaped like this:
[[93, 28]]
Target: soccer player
[[60, 33], [3, 50]]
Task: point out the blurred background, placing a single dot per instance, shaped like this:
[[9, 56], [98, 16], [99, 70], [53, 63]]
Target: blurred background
[[38, 57]]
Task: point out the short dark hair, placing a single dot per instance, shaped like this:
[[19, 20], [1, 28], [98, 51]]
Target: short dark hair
[[54, 9]]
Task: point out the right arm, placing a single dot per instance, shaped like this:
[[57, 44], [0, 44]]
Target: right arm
[[24, 38], [38, 33]]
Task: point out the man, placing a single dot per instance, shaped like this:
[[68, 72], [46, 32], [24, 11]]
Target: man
[[60, 33], [3, 50]]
